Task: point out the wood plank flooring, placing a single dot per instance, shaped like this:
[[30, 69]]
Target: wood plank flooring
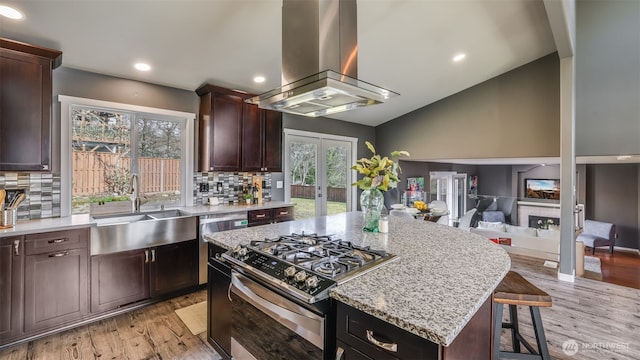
[[591, 313], [621, 267]]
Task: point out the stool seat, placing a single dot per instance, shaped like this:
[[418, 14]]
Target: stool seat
[[516, 290]]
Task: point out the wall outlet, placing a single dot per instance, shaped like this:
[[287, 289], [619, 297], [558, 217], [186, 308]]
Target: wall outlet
[[204, 187], [279, 184]]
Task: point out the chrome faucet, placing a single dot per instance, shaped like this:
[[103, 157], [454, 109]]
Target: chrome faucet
[[133, 189]]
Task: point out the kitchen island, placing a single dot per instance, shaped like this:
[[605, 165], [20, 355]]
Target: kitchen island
[[440, 278]]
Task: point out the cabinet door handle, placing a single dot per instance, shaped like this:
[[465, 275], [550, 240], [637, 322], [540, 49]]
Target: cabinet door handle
[[146, 256], [59, 254], [153, 255], [339, 353], [260, 216], [56, 241], [16, 247], [393, 347], [284, 213]]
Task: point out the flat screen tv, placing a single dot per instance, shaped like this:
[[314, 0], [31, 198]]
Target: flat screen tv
[[542, 189]]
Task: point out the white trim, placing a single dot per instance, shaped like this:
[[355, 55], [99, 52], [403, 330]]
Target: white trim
[[567, 277], [351, 203], [540, 204], [188, 137]]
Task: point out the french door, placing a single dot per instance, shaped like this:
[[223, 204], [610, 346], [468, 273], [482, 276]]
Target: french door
[[318, 173]]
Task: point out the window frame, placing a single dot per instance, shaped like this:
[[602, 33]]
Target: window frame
[[188, 139]]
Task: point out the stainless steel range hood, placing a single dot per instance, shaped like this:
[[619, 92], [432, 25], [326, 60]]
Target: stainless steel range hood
[[319, 61]]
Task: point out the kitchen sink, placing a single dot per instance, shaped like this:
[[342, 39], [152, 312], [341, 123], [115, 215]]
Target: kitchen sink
[[119, 218], [123, 232]]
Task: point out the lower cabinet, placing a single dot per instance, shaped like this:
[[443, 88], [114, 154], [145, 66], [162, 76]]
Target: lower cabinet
[[219, 312], [56, 276], [126, 277], [362, 336], [118, 279], [11, 286], [173, 267], [270, 216]]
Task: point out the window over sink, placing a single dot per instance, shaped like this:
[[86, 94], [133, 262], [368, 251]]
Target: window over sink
[[107, 143]]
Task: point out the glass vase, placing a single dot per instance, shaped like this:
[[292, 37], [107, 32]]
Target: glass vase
[[371, 203]]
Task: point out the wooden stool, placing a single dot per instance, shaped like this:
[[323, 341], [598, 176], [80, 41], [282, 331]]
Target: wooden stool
[[514, 290]]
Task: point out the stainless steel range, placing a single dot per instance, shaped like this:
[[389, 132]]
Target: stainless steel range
[[278, 295], [305, 266]]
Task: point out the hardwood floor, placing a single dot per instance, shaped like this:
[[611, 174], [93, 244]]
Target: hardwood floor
[[603, 319], [621, 267], [154, 332]]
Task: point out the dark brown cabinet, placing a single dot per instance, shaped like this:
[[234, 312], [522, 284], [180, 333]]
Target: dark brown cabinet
[[270, 216], [219, 312], [362, 336], [261, 140], [118, 279], [220, 125], [236, 136], [173, 267], [11, 286], [25, 105], [56, 278], [127, 277]]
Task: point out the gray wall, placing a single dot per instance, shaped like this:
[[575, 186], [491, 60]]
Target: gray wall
[[612, 196], [78, 83], [516, 114], [607, 77]]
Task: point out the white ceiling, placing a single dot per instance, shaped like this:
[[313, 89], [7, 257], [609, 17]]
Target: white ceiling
[[404, 45]]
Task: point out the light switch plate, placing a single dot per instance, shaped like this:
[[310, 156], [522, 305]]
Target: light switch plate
[[279, 184]]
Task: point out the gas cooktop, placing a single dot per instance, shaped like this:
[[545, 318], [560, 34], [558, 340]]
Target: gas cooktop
[[305, 265]]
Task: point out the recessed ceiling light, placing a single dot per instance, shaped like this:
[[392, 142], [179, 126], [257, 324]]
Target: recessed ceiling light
[[259, 79], [142, 66], [459, 57], [10, 12]]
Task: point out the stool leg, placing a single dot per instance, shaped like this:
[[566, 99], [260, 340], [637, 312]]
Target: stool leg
[[497, 330], [515, 331], [539, 331]]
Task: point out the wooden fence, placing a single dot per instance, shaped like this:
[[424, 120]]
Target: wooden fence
[[91, 172], [308, 192]]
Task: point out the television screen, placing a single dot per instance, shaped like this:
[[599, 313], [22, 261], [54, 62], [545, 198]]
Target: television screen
[[542, 189]]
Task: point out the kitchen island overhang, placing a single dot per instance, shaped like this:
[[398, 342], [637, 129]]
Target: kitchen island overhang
[[441, 278]]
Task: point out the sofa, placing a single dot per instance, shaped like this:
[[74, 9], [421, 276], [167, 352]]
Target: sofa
[[597, 233], [539, 243]]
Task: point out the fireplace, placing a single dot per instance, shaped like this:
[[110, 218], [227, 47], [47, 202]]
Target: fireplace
[[543, 222]]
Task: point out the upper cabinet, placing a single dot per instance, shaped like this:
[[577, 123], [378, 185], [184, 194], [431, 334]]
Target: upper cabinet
[[261, 140], [25, 105], [236, 136]]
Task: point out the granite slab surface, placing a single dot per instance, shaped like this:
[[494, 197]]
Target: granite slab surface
[[440, 278], [78, 221]]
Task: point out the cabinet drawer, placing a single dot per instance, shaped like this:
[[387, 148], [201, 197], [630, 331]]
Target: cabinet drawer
[[362, 331], [56, 241], [283, 213], [260, 215]]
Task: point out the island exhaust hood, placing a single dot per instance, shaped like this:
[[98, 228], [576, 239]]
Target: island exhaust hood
[[320, 61]]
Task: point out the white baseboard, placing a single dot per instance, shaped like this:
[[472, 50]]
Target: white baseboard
[[566, 277]]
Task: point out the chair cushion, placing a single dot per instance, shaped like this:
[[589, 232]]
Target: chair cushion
[[493, 216]]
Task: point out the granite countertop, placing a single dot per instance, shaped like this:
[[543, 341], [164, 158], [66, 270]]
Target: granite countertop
[[440, 278], [24, 227]]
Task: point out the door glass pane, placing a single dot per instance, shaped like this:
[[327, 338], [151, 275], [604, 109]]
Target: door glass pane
[[337, 167], [159, 151], [303, 178], [101, 157]]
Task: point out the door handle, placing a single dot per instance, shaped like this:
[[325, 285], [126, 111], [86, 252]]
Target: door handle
[[60, 254]]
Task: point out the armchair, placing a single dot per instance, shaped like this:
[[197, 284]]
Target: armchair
[[596, 234]]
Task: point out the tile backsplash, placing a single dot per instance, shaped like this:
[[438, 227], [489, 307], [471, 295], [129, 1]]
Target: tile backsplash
[[228, 187], [42, 192]]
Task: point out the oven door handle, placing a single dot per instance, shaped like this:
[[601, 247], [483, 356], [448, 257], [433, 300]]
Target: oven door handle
[[302, 321]]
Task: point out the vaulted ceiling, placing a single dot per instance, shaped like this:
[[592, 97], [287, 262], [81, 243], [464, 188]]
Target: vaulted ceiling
[[404, 45]]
